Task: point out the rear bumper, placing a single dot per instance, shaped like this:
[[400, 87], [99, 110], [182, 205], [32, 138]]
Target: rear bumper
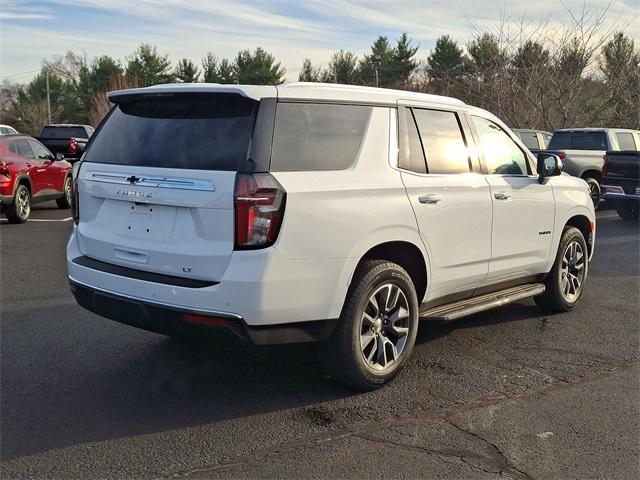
[[616, 192], [169, 320], [259, 286]]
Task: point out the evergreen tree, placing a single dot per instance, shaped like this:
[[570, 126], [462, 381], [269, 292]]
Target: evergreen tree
[[342, 68], [309, 73], [258, 68], [215, 71], [446, 60], [187, 71], [149, 67], [403, 59]]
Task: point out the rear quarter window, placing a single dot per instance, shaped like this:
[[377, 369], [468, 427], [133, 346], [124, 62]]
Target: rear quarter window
[[578, 141], [317, 136]]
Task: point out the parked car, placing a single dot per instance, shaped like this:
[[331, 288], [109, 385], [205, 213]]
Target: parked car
[[67, 139], [534, 140], [30, 173], [582, 151], [7, 130], [621, 182], [310, 212]]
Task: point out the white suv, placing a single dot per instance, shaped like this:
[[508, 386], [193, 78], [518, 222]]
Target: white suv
[[325, 213]]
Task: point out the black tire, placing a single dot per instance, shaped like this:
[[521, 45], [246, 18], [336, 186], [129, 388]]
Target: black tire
[[558, 297], [65, 200], [594, 190], [628, 211], [343, 356], [18, 211]]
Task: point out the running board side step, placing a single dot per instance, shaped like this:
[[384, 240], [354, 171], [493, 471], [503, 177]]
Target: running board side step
[[470, 306]]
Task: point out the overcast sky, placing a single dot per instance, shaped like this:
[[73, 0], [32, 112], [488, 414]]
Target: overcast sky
[[291, 30]]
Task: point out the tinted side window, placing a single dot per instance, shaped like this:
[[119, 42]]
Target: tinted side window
[[13, 147], [530, 139], [501, 154], [625, 141], [4, 131], [578, 141], [317, 136], [442, 140], [413, 160], [546, 137], [24, 150], [39, 151]]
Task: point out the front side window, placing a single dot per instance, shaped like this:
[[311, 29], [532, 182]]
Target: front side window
[[317, 136], [625, 141], [443, 142], [502, 155]]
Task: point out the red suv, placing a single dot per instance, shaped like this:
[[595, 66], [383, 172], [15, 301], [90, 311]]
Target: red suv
[[29, 173]]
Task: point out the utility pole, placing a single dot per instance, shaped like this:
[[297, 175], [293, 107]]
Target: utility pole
[[46, 76], [377, 61]]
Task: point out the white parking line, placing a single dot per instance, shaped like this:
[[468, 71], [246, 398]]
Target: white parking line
[[50, 220]]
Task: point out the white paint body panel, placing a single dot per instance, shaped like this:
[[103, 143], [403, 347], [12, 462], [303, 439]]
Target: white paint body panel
[[331, 219], [456, 230]]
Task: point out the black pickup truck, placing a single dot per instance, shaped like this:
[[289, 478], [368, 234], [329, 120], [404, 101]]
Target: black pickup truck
[[68, 139], [621, 182]]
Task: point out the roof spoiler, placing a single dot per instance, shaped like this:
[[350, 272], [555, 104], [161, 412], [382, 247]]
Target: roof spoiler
[[249, 91]]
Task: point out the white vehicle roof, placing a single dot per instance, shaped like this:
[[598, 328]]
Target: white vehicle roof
[[297, 90]]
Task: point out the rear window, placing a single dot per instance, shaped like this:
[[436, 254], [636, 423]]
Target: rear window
[[578, 141], [317, 136], [63, 132], [194, 131]]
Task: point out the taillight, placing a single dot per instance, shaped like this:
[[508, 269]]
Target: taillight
[[73, 146], [4, 169], [75, 205], [605, 167], [562, 155], [259, 204]]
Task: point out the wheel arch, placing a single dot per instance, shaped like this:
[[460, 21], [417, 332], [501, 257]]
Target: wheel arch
[[592, 173], [22, 179], [582, 223]]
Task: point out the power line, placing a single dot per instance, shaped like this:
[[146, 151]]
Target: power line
[[18, 74]]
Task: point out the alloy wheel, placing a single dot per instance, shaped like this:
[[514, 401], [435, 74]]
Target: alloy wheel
[[67, 190], [572, 271], [384, 327], [23, 203]]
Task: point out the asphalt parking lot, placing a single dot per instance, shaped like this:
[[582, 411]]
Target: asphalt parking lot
[[509, 393]]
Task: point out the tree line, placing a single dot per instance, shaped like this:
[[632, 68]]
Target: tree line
[[531, 77]]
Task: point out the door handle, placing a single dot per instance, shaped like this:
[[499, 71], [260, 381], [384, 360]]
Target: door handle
[[430, 199], [502, 195]]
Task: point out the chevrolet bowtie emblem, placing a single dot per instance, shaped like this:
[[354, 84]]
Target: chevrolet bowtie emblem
[[133, 179]]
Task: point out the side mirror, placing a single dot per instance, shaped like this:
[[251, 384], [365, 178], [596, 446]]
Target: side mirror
[[59, 157], [549, 165]]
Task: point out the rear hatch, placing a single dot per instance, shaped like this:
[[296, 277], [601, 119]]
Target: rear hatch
[[156, 188]]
